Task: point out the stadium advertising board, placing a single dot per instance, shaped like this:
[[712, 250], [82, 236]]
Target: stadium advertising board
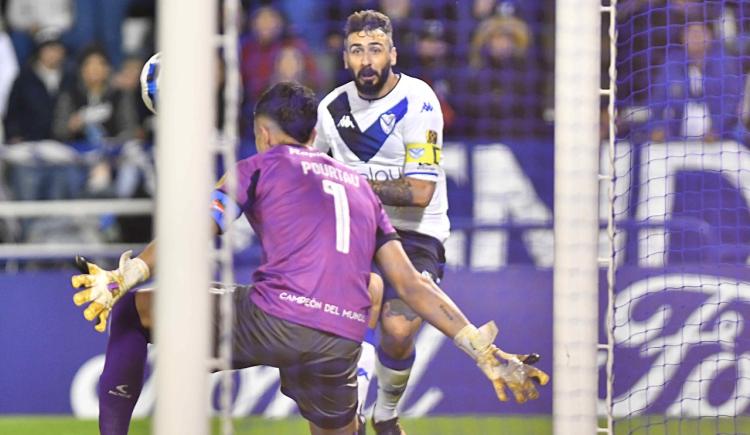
[[681, 301]]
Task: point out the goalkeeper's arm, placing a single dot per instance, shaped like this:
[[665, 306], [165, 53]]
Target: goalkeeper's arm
[[103, 288], [418, 291], [434, 306], [148, 256]]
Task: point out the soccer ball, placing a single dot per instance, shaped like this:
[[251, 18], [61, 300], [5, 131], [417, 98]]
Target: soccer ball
[[150, 82]]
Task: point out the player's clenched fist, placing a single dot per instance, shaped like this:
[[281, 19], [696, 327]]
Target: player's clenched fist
[[103, 288], [503, 369]]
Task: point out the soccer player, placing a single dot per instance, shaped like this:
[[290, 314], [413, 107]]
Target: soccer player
[[306, 312], [389, 127]]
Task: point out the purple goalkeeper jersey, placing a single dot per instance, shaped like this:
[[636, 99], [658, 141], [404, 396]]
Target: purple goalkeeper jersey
[[319, 224]]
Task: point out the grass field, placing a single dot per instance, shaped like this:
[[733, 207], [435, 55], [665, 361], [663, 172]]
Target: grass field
[[424, 426], [258, 426]]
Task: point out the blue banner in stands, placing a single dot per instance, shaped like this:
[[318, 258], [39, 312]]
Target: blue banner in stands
[[53, 356], [58, 356], [682, 298]]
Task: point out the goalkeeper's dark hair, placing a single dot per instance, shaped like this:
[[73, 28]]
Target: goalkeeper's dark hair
[[367, 21], [292, 106]]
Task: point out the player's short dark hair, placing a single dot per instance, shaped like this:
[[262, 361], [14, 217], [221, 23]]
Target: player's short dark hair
[[292, 106], [368, 21]]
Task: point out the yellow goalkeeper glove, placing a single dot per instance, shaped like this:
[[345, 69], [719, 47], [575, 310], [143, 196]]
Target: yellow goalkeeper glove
[[503, 369], [103, 288]]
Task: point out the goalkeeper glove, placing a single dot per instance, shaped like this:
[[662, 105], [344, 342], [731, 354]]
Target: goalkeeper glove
[[103, 288], [503, 369]]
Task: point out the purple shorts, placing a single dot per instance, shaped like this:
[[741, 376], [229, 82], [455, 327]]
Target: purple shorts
[[318, 370]]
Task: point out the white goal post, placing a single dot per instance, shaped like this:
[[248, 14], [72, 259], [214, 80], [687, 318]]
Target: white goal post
[[576, 216], [184, 150]]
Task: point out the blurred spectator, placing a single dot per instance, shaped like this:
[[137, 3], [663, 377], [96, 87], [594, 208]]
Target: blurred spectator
[[304, 19], [696, 94], [99, 22], [290, 66], [221, 71], [27, 17], [8, 72], [268, 36], [405, 21], [35, 91], [434, 65], [127, 81], [482, 9], [396, 10], [733, 27], [138, 28], [432, 50], [647, 29], [96, 117], [411, 20], [39, 168], [745, 105], [503, 94], [135, 172]]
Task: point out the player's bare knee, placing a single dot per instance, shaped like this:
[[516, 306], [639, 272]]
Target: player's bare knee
[[398, 337], [400, 332], [398, 346]]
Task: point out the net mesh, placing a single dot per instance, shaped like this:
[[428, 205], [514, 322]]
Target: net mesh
[[680, 206], [680, 193]]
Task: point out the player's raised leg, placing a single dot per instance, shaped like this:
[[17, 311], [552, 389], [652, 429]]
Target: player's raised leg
[[366, 363], [365, 373], [349, 429], [395, 357], [122, 378], [399, 327]]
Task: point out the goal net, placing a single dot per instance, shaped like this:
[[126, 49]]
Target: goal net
[[680, 208]]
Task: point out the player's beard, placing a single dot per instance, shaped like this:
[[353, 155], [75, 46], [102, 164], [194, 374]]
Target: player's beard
[[371, 88]]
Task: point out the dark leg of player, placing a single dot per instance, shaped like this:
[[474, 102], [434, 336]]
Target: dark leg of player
[[122, 379], [396, 355], [349, 429]]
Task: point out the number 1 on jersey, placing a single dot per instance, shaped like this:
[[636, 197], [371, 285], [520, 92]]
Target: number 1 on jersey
[[341, 205]]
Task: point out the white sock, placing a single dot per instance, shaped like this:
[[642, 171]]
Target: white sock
[[391, 386], [365, 372]]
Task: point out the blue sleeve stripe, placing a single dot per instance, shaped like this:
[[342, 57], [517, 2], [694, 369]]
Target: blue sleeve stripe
[[221, 204], [219, 219]]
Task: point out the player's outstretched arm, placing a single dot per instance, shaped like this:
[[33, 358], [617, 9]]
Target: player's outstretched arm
[[434, 306], [148, 255], [375, 288], [404, 191], [418, 291], [103, 288]]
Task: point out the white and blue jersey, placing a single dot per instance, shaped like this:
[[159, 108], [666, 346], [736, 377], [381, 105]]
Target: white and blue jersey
[[400, 134]]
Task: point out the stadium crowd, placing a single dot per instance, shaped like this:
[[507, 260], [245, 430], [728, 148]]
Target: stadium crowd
[[74, 127]]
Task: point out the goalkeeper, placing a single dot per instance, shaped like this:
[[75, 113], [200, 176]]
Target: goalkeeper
[[306, 312]]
